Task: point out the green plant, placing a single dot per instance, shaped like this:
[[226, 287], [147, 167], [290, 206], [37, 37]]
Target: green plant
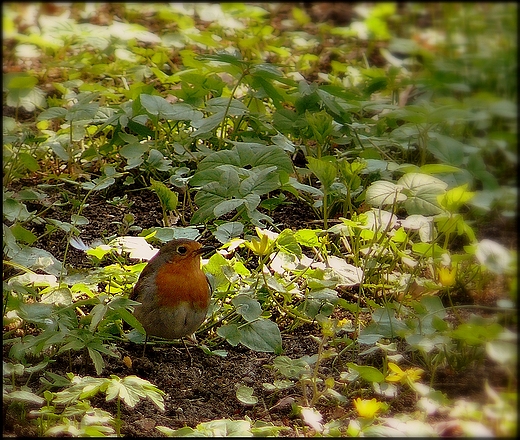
[[235, 179], [75, 397]]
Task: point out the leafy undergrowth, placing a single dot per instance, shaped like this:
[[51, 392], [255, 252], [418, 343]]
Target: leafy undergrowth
[[357, 178]]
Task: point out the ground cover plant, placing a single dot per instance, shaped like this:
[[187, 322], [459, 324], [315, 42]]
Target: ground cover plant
[[353, 164]]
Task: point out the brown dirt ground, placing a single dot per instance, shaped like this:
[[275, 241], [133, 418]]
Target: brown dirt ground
[[203, 388]]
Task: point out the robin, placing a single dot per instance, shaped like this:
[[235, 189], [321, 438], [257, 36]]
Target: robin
[[173, 291]]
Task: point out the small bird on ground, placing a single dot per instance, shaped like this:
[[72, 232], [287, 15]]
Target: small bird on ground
[[173, 291]]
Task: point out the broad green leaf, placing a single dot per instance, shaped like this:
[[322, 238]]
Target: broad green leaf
[[231, 107], [79, 220], [455, 198], [29, 161], [22, 234], [133, 153], [245, 395], [307, 237], [83, 111], [227, 231], [230, 333], [60, 297], [446, 149], [35, 259], [251, 203], [324, 170], [99, 183], [158, 106], [20, 81], [157, 160], [382, 192], [370, 374], [292, 368], [206, 125], [477, 167], [422, 191], [475, 334], [267, 155], [428, 250], [262, 335], [287, 242], [15, 211], [25, 397], [247, 307], [260, 182], [226, 206], [493, 256]]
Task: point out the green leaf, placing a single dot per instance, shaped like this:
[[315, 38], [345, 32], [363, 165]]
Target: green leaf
[[82, 111], [370, 374], [226, 206], [133, 153], [307, 237], [231, 107], [15, 211], [476, 334], [422, 191], [260, 182], [230, 333], [98, 184], [25, 397], [287, 242], [438, 168], [38, 259], [29, 162], [447, 149], [292, 368], [22, 234], [158, 161], [247, 307], [426, 249], [97, 360], [324, 170], [169, 199], [206, 125], [245, 395], [382, 192], [455, 198], [227, 231], [158, 106], [262, 335]]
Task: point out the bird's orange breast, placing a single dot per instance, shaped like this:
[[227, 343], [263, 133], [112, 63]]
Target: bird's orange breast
[[178, 283]]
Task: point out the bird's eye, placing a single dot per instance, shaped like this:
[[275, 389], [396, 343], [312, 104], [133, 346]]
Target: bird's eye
[[182, 250]]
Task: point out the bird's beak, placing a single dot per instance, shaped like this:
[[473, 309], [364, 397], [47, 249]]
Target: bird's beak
[[206, 250]]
